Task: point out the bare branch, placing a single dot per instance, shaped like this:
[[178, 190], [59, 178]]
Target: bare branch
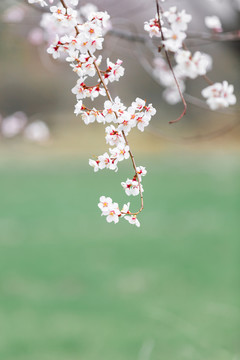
[[196, 138]]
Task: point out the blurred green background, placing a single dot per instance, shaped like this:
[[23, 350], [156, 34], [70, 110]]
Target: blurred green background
[[73, 287]]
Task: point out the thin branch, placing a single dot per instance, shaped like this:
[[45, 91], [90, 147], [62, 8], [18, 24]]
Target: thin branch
[[227, 36], [64, 4], [214, 134], [129, 36], [171, 68], [196, 138], [206, 78], [122, 34]]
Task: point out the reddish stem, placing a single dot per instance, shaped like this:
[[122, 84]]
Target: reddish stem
[[171, 68]]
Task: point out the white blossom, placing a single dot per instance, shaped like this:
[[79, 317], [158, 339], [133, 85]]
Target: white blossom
[[109, 112], [152, 27], [120, 152], [219, 95], [113, 136], [174, 39], [58, 12], [132, 220], [100, 18], [142, 121], [192, 65], [125, 122], [114, 71], [40, 2], [150, 111], [87, 10], [138, 104], [104, 204], [109, 209], [56, 48], [131, 187], [178, 20], [74, 2], [113, 213], [171, 94], [213, 23], [105, 161], [141, 171], [94, 164], [125, 209]]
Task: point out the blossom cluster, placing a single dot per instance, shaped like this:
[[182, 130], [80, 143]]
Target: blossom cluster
[[113, 213], [219, 95], [75, 35], [175, 33], [187, 64], [137, 115], [60, 20], [78, 47]]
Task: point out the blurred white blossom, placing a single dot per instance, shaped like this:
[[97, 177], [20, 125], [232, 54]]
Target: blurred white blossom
[[13, 124], [214, 23], [37, 131], [13, 14]]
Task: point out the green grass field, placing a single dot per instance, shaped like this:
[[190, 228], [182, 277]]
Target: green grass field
[[73, 287]]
